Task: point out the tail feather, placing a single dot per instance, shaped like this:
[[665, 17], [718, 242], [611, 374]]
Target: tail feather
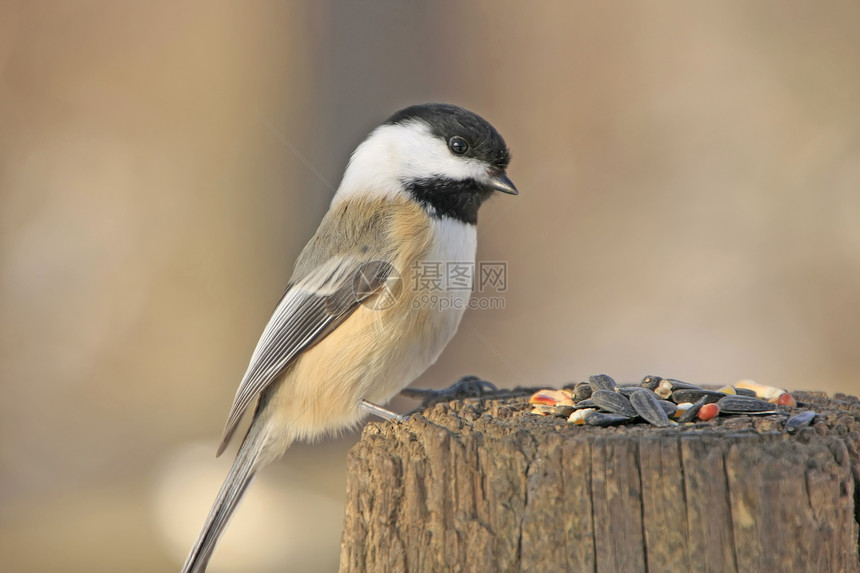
[[240, 477]]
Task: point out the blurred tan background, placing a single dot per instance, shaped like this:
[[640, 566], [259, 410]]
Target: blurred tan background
[[690, 199]]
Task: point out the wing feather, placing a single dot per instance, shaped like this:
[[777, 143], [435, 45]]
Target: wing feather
[[310, 309]]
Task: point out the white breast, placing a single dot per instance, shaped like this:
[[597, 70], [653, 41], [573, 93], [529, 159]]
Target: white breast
[[437, 306], [454, 247], [454, 240]]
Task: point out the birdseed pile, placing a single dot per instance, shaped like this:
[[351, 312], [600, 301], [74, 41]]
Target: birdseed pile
[[665, 402]]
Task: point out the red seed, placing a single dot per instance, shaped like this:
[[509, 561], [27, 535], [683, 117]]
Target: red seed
[[551, 398], [708, 411], [786, 399]]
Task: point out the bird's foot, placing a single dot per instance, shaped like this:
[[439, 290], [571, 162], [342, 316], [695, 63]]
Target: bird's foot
[[380, 412], [465, 387]]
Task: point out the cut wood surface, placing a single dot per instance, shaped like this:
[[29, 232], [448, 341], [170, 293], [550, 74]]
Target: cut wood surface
[[482, 485]]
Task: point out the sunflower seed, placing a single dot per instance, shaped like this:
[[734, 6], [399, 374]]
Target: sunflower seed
[[799, 421], [563, 410], [601, 419], [669, 407], [691, 395], [650, 382], [681, 385], [690, 414], [648, 407], [613, 402], [602, 382], [745, 405], [745, 392], [627, 390], [582, 391]]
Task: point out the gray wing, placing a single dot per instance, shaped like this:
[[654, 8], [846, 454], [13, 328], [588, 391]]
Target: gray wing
[[310, 309]]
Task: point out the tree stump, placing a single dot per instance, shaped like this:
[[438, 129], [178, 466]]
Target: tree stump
[[482, 485]]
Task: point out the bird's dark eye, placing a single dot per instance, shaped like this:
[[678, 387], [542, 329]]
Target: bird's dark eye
[[458, 145]]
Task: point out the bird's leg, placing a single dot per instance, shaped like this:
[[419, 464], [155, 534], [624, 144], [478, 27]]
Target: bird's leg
[[465, 387], [379, 411]]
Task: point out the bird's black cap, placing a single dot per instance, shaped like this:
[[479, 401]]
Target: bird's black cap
[[458, 198], [446, 121]]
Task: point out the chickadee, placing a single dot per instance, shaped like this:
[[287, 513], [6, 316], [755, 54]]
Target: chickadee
[[340, 342]]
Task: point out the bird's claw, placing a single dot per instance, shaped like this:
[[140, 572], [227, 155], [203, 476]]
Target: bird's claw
[[465, 387]]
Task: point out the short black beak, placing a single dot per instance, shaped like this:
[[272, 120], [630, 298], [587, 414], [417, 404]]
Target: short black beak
[[500, 182]]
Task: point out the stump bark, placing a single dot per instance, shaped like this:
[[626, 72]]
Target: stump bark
[[482, 485]]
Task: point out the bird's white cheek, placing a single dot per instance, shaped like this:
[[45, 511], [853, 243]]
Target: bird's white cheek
[[425, 156], [394, 154]]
